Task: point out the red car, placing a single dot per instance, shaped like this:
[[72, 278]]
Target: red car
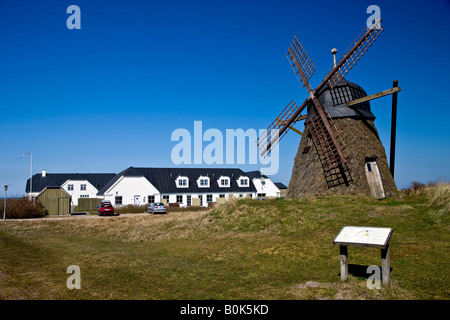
[[105, 208]]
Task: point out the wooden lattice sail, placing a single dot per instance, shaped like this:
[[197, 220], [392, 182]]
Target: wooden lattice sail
[[333, 153]]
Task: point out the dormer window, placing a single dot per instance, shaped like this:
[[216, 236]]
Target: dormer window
[[243, 182], [224, 182], [203, 182], [182, 182]]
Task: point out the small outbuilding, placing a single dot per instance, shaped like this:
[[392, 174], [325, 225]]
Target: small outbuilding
[[283, 189], [55, 200]]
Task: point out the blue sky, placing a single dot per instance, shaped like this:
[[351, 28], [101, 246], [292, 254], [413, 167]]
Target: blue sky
[[109, 96]]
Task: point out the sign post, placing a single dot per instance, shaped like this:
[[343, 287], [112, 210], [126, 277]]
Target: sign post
[[365, 237]]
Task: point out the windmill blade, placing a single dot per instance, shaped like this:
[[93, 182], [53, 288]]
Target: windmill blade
[[353, 54], [279, 127], [326, 137], [300, 62]]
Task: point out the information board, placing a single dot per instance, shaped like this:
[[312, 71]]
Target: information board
[[364, 236]]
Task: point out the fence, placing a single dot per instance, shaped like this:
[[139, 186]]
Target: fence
[[88, 204]]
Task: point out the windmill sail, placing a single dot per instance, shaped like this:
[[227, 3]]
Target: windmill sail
[[353, 54], [300, 62], [323, 132], [268, 139], [329, 146]]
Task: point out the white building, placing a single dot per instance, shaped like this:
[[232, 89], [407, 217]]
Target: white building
[[148, 185], [176, 185], [265, 188], [77, 185]]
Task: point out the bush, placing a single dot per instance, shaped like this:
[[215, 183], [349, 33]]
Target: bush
[[418, 188], [172, 208], [21, 209], [131, 208]]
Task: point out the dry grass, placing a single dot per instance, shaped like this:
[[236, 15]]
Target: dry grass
[[244, 249], [438, 194]]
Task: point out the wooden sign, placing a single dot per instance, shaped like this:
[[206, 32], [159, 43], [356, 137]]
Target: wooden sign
[[364, 236]]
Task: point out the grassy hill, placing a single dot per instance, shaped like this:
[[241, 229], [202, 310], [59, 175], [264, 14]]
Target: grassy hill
[[245, 249]]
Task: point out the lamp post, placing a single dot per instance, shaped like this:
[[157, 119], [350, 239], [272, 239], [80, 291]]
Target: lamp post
[[4, 207]]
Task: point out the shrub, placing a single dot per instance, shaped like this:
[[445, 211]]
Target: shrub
[[172, 208], [131, 208], [419, 188], [21, 209]]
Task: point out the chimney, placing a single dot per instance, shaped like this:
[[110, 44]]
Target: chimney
[[44, 173]]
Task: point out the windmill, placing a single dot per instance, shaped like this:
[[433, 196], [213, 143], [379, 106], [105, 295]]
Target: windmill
[[329, 159]]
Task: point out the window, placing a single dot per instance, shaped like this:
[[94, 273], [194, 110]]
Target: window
[[179, 199], [259, 195], [70, 187], [209, 198], [221, 195], [82, 187], [151, 199], [165, 197], [118, 200], [182, 182], [203, 182], [224, 182], [243, 182], [84, 196]]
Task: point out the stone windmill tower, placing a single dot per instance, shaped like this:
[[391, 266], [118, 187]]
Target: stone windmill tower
[[340, 151]]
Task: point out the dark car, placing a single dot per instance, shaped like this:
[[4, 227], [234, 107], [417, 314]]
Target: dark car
[[157, 207], [105, 208]]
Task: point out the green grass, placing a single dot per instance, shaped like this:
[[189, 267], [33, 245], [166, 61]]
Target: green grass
[[246, 249]]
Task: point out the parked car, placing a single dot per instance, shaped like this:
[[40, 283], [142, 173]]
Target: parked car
[[105, 208], [157, 207]]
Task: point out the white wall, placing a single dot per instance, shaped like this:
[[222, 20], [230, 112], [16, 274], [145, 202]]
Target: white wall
[[269, 188], [90, 191], [129, 187], [229, 195]]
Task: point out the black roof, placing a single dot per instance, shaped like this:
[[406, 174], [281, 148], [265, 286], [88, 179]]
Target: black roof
[[280, 185], [163, 179], [98, 180], [256, 174]]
